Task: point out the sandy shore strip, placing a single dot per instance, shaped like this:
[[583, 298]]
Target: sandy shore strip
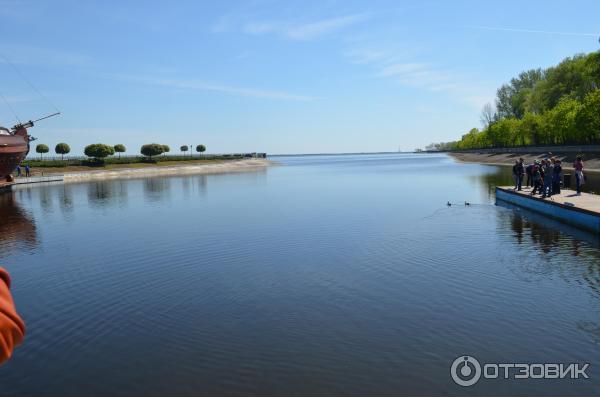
[[228, 166], [591, 161]]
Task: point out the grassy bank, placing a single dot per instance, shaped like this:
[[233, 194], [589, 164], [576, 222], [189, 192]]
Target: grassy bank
[[57, 166], [129, 160]]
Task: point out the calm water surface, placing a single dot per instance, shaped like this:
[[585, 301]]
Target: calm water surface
[[325, 276]]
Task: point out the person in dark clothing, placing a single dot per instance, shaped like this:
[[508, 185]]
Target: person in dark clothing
[[548, 176], [557, 177], [579, 178], [529, 173], [27, 171], [515, 173], [520, 174], [18, 170], [537, 178]]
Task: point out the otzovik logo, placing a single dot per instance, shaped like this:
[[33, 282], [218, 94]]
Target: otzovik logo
[[466, 371]]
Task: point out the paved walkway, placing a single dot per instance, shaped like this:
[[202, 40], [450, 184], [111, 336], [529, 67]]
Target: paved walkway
[[586, 201]]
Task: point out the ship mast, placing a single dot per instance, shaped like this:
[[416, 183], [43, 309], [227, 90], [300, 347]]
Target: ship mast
[[30, 123]]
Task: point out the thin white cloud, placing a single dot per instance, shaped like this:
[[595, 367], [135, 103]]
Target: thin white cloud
[[427, 76], [507, 29], [224, 89], [297, 31], [261, 27], [249, 92], [403, 69], [316, 29], [365, 56], [17, 98], [24, 54]]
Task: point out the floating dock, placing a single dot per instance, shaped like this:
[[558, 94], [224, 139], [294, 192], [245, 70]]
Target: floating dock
[[4, 186], [580, 211]]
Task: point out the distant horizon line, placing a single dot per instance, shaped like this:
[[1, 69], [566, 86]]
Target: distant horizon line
[[34, 155], [336, 153]]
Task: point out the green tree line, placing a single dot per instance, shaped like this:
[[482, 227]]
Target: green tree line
[[99, 151], [555, 106]]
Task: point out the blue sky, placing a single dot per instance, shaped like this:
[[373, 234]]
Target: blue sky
[[274, 76]]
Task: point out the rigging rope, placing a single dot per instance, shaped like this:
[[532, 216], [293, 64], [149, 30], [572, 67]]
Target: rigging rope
[[11, 108], [29, 83]]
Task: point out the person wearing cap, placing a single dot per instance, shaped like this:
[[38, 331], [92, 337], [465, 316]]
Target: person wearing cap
[[557, 177], [12, 327]]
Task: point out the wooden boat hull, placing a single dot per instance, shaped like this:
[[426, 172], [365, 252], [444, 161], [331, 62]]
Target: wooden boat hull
[[13, 150]]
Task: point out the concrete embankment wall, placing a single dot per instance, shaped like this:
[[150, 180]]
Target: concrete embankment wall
[[535, 149], [574, 216]]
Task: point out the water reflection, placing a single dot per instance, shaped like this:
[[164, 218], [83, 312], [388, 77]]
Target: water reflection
[[65, 197], [337, 270], [546, 232], [558, 242], [46, 200], [107, 193], [17, 228], [157, 189]]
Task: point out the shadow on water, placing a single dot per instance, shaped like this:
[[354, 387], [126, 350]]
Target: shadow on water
[[17, 228], [560, 243], [546, 232], [555, 240]]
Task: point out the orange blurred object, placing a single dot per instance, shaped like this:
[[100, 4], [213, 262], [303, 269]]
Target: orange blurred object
[[12, 328]]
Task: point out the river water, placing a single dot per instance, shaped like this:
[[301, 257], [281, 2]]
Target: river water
[[323, 276]]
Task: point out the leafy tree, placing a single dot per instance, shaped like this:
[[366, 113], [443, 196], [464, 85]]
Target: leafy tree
[[488, 115], [512, 98], [561, 122], [588, 118], [559, 105], [41, 149], [532, 126], [200, 148], [441, 146], [62, 149], [568, 79], [166, 148], [152, 149], [120, 148], [99, 151], [592, 65]]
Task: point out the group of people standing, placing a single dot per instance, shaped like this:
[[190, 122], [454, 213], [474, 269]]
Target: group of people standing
[[545, 176], [27, 170]]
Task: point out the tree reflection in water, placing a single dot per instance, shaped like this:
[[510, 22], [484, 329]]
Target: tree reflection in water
[[556, 241], [17, 228]]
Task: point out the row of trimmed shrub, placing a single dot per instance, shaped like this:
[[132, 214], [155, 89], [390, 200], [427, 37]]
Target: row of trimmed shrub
[[92, 162], [100, 150]]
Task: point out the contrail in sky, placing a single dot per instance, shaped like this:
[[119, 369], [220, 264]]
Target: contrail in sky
[[536, 31]]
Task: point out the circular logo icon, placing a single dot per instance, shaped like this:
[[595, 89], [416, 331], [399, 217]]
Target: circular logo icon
[[465, 371]]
